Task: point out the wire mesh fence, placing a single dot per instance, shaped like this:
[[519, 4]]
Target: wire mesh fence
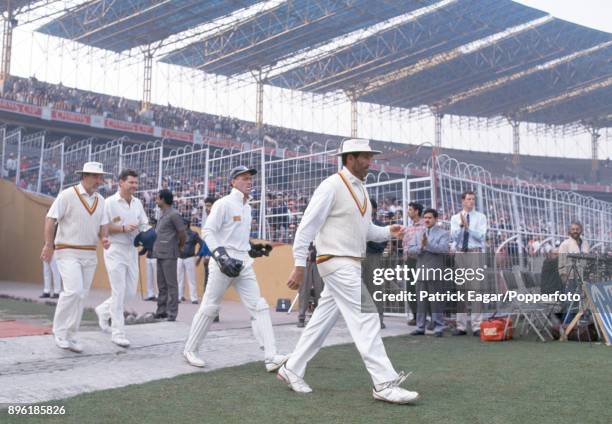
[[184, 171], [109, 155], [146, 159], [52, 172], [284, 184], [11, 154], [290, 182], [75, 156], [30, 162]]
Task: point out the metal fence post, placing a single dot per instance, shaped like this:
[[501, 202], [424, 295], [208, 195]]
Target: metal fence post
[[40, 164], [2, 158], [18, 172], [262, 202], [62, 173], [120, 155], [161, 167], [206, 178]]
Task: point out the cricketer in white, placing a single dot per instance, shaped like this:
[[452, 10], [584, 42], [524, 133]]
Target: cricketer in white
[[124, 217], [339, 219], [78, 213], [226, 232]]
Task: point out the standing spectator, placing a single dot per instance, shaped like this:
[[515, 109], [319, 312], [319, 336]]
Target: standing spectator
[[280, 219], [469, 231], [293, 217], [430, 245], [169, 243], [573, 245], [415, 210], [205, 254], [11, 166], [186, 264]]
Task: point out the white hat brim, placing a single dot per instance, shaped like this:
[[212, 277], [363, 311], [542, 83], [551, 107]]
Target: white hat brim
[[376, 152], [89, 172]]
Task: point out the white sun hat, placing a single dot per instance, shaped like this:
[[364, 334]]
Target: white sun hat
[[356, 145], [92, 168]]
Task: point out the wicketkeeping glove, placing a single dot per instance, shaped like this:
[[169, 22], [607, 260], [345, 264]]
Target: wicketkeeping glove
[[260, 249], [229, 266]]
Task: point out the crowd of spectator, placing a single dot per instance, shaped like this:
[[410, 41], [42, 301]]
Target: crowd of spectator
[[31, 90]]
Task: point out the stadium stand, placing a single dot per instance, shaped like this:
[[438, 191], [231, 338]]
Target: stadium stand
[[534, 168]]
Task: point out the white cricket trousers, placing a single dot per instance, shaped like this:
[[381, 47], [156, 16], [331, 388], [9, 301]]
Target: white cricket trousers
[[186, 267], [122, 266], [52, 282], [151, 264], [342, 296], [248, 290], [77, 269]]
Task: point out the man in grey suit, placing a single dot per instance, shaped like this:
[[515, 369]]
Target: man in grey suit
[[430, 245], [169, 243]]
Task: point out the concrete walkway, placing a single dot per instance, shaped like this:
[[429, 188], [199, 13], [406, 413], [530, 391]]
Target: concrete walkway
[[233, 314], [33, 369]]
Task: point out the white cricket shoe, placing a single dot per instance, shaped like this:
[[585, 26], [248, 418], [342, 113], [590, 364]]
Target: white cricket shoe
[[295, 383], [120, 340], [193, 359], [392, 393], [62, 343], [102, 319], [75, 346], [276, 362]]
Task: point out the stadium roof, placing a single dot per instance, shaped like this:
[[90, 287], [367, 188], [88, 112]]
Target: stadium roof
[[287, 28], [473, 59], [485, 58], [16, 5], [123, 24], [438, 31]]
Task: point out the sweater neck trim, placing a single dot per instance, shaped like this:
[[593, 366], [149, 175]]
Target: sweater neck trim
[[362, 207]]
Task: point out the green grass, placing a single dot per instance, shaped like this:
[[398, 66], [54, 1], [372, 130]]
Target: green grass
[[461, 380], [27, 310]]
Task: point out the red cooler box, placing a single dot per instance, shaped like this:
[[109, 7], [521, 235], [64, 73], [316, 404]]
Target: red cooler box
[[492, 330]]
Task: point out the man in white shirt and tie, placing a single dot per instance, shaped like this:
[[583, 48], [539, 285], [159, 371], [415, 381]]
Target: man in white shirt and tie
[[469, 232], [77, 211], [339, 220], [226, 232], [125, 217]]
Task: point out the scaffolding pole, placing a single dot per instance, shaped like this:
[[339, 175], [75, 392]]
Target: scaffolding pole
[[595, 134], [260, 78], [516, 143], [7, 43], [354, 113], [438, 132], [148, 78], [259, 105]]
